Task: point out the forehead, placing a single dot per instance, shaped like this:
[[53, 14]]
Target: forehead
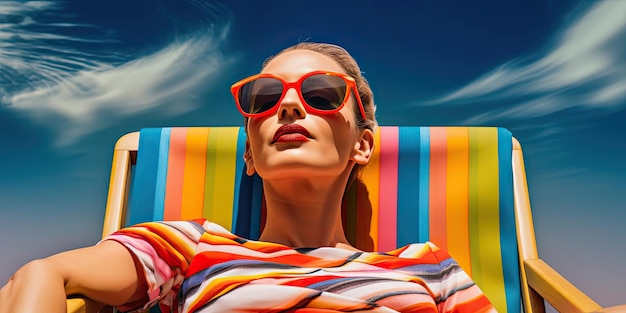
[[291, 65]]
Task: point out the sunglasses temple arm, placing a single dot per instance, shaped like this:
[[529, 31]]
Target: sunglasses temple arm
[[355, 92]]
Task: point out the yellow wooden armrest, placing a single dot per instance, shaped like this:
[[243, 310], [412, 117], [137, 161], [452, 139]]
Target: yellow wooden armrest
[[84, 305], [555, 289], [76, 305]]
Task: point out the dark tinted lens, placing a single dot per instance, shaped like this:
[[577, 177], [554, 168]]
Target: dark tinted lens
[[324, 92], [260, 95]]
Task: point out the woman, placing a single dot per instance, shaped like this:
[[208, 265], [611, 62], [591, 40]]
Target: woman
[[310, 120]]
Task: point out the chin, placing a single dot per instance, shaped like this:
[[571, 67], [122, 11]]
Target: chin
[[299, 170]]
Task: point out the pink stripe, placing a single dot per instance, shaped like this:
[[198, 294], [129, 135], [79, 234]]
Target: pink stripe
[[175, 174], [388, 188]]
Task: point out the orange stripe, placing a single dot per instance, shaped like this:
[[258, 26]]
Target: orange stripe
[[457, 177], [175, 173], [371, 178], [195, 167], [437, 190]]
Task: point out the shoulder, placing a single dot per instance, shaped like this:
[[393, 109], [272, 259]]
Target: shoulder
[[420, 251], [159, 232]]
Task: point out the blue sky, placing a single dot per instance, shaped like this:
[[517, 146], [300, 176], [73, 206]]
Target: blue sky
[[75, 75]]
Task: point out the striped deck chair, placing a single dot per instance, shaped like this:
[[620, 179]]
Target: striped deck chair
[[462, 188]]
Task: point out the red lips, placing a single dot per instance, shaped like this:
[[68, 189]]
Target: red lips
[[291, 133]]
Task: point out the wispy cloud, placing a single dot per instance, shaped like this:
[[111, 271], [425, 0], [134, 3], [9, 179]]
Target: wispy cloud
[[583, 67], [50, 79]]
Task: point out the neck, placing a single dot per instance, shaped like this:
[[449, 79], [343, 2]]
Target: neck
[[304, 212]]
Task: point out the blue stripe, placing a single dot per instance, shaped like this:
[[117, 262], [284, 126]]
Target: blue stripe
[[242, 226], [408, 217], [248, 216], [424, 176], [257, 203], [144, 180], [331, 281], [443, 266], [161, 174], [239, 172], [508, 236]]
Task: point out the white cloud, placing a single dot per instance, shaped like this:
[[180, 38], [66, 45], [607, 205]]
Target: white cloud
[[610, 94], [584, 67], [157, 80], [76, 93]]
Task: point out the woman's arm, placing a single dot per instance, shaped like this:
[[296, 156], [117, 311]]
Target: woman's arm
[[107, 273]]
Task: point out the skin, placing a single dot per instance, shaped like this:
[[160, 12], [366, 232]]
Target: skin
[[303, 181], [105, 273]]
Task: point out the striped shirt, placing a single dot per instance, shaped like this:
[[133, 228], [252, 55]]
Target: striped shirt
[[198, 266]]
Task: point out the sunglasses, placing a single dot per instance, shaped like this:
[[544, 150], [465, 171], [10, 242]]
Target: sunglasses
[[321, 92]]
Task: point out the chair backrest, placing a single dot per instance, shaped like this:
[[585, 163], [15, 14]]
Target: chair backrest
[[452, 186]]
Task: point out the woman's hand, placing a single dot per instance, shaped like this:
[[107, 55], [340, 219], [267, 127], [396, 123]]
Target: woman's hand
[[106, 273]]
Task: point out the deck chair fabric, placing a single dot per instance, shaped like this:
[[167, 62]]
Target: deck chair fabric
[[452, 186]]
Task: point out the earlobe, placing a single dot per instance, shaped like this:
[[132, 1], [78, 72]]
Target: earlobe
[[364, 147], [247, 157]]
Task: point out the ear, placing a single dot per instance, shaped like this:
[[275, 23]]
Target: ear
[[364, 147], [247, 157]]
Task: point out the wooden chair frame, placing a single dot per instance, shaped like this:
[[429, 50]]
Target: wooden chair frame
[[539, 281]]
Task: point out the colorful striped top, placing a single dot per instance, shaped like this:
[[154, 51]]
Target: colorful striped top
[[199, 266]]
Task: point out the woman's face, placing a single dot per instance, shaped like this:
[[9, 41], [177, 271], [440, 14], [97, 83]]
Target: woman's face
[[295, 143]]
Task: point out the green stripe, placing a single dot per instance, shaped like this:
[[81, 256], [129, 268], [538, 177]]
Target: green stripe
[[487, 217], [225, 175]]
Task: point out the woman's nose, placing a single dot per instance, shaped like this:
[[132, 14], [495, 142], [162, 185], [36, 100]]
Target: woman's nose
[[291, 106]]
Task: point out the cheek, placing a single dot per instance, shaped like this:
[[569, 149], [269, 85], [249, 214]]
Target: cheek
[[343, 131], [344, 142], [257, 131]]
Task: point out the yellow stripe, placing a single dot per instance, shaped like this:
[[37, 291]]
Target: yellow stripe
[[207, 211], [488, 218], [193, 182], [224, 186], [457, 188], [371, 178], [117, 181]]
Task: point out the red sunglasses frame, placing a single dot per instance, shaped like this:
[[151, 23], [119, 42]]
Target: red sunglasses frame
[[297, 85]]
